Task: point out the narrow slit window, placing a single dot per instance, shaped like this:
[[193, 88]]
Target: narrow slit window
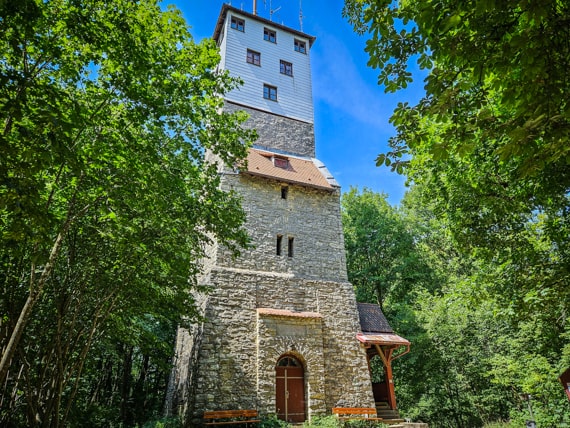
[[284, 192], [279, 243], [290, 247]]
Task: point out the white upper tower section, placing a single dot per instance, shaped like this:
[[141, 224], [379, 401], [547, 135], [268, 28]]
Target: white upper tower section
[[272, 60]]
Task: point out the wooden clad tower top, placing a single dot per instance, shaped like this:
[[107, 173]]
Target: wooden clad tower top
[[272, 60]]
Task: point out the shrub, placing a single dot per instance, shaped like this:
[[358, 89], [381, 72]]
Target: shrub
[[272, 421]]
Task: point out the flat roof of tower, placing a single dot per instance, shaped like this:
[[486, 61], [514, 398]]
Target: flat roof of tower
[[227, 7]]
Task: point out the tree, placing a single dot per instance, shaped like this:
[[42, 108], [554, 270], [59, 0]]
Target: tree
[[491, 134], [106, 202], [483, 330], [381, 256], [487, 149]]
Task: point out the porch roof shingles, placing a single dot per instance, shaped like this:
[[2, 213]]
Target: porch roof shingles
[[375, 327], [372, 319]]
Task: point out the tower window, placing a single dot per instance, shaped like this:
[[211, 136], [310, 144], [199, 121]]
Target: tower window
[[286, 68], [237, 24], [253, 57], [270, 92], [279, 244], [269, 35], [300, 46], [281, 162], [290, 247], [284, 192]]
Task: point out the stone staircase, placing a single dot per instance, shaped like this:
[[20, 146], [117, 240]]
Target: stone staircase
[[391, 417]]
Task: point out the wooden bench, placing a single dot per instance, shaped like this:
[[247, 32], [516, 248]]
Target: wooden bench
[[356, 413], [231, 417]]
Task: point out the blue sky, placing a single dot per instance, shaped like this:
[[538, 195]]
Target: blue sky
[[351, 110]]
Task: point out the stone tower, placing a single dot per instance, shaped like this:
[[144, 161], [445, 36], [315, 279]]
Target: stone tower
[[280, 324]]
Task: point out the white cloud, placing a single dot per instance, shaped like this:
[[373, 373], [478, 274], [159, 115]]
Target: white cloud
[[339, 83]]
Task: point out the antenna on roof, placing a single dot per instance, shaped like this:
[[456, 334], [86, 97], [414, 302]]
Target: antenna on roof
[[255, 7], [272, 11], [301, 14]]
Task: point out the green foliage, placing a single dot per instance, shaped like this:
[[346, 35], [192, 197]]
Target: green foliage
[[488, 142], [164, 423], [498, 425], [482, 331], [380, 249], [487, 152], [496, 73], [361, 423], [107, 203], [330, 421], [271, 421], [335, 422]]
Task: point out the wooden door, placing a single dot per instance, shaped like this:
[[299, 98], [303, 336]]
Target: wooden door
[[290, 390]]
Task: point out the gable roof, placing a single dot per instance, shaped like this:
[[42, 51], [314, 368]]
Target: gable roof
[[303, 171], [375, 327], [372, 320]]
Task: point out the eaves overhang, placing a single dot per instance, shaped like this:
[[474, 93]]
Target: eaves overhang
[[290, 169], [229, 8]]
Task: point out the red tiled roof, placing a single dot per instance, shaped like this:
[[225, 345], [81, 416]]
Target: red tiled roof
[[299, 171], [287, 313]]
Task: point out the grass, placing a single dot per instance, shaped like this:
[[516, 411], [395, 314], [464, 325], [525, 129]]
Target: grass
[[322, 422]]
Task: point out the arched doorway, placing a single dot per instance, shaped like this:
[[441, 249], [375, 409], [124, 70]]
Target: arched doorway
[[290, 389]]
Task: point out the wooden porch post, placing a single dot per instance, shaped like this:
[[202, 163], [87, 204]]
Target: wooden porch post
[[390, 381], [387, 360]]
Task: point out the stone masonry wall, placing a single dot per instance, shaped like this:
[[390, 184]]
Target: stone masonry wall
[[297, 336], [279, 132], [310, 216], [229, 359], [236, 365]]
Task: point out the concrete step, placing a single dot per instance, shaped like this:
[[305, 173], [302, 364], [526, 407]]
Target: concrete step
[[382, 405], [388, 414]]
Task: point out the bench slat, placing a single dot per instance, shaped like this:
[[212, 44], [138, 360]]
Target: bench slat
[[354, 411], [230, 414], [243, 417]]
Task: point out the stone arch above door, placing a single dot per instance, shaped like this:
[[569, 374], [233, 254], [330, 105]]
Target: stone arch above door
[[280, 336]]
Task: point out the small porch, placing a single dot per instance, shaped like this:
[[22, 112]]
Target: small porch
[[380, 341]]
